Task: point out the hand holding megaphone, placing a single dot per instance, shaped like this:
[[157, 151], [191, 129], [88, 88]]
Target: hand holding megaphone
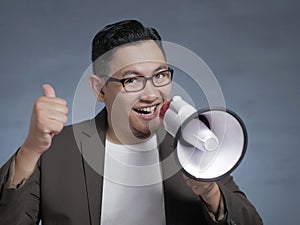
[[209, 143]]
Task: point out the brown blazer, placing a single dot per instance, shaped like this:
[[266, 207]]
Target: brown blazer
[[66, 188]]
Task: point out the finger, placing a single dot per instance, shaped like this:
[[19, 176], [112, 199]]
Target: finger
[[59, 117], [51, 107], [192, 183], [197, 183], [52, 100], [53, 127], [185, 177], [48, 90]]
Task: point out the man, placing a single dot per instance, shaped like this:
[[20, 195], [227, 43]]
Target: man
[[50, 177]]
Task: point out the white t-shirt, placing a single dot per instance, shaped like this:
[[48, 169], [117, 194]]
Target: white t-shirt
[[132, 185]]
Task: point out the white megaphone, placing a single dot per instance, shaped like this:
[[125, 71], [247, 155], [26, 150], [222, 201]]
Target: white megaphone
[[209, 144]]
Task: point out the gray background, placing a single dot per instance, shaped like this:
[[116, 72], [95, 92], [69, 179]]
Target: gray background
[[251, 46]]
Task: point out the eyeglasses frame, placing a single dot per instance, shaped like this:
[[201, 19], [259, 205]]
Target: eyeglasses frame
[[122, 81]]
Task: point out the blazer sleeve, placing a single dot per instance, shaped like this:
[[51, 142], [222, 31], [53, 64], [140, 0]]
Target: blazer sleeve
[[238, 208], [19, 206]]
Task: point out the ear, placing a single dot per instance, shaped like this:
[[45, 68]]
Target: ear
[[97, 84]]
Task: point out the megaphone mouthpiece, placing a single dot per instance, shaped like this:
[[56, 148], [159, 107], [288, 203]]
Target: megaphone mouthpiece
[[174, 113], [163, 109]]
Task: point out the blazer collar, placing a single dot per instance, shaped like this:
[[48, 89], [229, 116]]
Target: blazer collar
[[92, 135]]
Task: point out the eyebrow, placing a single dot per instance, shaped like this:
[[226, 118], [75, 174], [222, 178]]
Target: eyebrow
[[127, 72]]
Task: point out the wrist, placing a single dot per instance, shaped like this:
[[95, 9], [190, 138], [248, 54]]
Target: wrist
[[24, 164], [212, 198], [26, 159]]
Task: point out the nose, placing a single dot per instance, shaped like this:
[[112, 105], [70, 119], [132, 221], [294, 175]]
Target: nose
[[150, 92]]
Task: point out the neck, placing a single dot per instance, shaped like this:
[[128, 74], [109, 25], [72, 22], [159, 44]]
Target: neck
[[128, 139]]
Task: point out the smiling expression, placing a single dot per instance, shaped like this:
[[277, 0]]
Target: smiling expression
[[134, 116]]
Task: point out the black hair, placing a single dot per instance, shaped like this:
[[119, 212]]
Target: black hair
[[117, 34]]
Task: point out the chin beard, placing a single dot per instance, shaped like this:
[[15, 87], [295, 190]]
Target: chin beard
[[145, 133], [141, 135]]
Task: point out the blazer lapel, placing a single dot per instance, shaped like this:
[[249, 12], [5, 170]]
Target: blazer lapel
[[168, 161], [90, 136]]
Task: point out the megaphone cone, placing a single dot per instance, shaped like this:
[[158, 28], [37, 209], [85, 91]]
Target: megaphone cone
[[209, 144]]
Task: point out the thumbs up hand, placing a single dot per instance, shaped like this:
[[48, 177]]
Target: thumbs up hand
[[48, 117], [49, 114]]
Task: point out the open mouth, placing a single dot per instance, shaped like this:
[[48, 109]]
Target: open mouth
[[146, 110]]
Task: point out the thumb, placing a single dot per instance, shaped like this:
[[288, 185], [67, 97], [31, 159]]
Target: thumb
[[48, 90]]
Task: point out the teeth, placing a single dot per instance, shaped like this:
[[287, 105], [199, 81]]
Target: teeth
[[147, 109]]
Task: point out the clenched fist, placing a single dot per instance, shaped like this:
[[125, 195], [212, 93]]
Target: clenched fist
[[209, 191]]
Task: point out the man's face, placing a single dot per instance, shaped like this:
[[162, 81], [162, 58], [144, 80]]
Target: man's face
[[134, 116]]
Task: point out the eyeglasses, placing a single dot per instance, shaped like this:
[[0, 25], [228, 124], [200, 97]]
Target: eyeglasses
[[138, 83]]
